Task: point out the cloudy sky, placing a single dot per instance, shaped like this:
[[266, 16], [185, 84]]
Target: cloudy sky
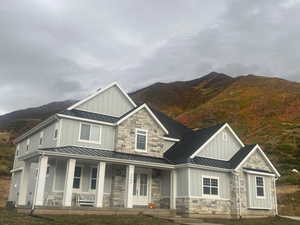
[[53, 50]]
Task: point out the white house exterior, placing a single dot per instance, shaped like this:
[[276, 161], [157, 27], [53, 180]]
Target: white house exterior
[[107, 152]]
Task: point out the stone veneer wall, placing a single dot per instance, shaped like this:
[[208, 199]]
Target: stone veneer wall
[[125, 135], [199, 207], [118, 186]]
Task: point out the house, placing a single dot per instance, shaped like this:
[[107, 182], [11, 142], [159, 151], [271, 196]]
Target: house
[[107, 152]]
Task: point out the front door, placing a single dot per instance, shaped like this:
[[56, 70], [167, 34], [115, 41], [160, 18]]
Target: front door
[[141, 188]]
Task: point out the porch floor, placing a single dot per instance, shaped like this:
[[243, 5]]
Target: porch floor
[[43, 210]]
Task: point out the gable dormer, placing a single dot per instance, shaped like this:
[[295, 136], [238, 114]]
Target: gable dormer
[[111, 100]]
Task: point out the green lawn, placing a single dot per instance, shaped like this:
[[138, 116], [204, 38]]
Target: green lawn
[[265, 221], [10, 217]]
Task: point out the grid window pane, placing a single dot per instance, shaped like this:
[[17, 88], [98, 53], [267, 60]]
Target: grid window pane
[[85, 132], [206, 190], [141, 141], [95, 134], [214, 182], [214, 191], [206, 181], [77, 172], [93, 184], [94, 172], [76, 183], [259, 181]]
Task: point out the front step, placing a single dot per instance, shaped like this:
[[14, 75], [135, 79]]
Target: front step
[[183, 220]]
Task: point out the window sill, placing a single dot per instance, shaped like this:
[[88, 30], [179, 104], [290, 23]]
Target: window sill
[[140, 150]]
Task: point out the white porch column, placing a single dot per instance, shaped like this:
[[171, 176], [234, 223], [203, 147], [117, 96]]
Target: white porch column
[[68, 188], [23, 187], [173, 187], [100, 184], [129, 186], [41, 180]]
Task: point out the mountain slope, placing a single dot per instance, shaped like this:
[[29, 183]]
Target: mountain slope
[[262, 110]]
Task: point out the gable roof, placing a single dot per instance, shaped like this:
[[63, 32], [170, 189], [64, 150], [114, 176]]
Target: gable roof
[[101, 91], [190, 143]]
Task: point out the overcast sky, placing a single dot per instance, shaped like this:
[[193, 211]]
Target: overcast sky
[[53, 50]]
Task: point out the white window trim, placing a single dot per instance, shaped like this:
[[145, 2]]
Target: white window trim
[[89, 141], [17, 150], [41, 137], [146, 142], [90, 180], [264, 188], [210, 196], [78, 190]]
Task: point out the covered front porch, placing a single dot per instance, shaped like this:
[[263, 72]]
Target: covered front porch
[[54, 181]]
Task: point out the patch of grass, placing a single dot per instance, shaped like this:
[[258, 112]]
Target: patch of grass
[[259, 221], [289, 204], [10, 217]]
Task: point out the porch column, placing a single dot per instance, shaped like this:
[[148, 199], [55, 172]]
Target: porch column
[[173, 187], [41, 180], [68, 188], [129, 186], [23, 187], [100, 184]]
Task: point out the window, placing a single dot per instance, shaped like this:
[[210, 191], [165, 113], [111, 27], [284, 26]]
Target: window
[[90, 133], [27, 144], [260, 190], [41, 138], [93, 178], [141, 140], [77, 177], [48, 171], [210, 186]]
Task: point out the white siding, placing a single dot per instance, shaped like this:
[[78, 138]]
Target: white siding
[[182, 182], [253, 200], [221, 149], [70, 135], [196, 182], [14, 186], [110, 102]]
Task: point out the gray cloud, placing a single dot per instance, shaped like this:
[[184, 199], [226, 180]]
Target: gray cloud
[[54, 50]]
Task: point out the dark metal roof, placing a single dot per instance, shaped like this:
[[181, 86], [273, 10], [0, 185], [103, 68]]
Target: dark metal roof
[[211, 162], [258, 170], [82, 151], [190, 143], [90, 115]]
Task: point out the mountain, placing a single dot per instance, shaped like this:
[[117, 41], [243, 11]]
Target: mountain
[[19, 121], [262, 110]]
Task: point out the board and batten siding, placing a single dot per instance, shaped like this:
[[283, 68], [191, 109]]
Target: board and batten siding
[[70, 135], [222, 147], [257, 202], [165, 183], [110, 102], [196, 182], [182, 182]]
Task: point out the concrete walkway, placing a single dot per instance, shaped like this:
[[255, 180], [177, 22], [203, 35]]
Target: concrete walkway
[[292, 217]]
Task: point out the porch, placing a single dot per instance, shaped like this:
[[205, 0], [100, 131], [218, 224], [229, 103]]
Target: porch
[[60, 182]]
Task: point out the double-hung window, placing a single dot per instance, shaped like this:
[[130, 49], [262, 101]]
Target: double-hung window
[[93, 178], [90, 133], [260, 188], [210, 186], [77, 177], [141, 140]]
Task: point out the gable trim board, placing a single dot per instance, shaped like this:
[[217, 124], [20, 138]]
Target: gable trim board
[[101, 91], [144, 106], [257, 147], [226, 125], [86, 120]]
